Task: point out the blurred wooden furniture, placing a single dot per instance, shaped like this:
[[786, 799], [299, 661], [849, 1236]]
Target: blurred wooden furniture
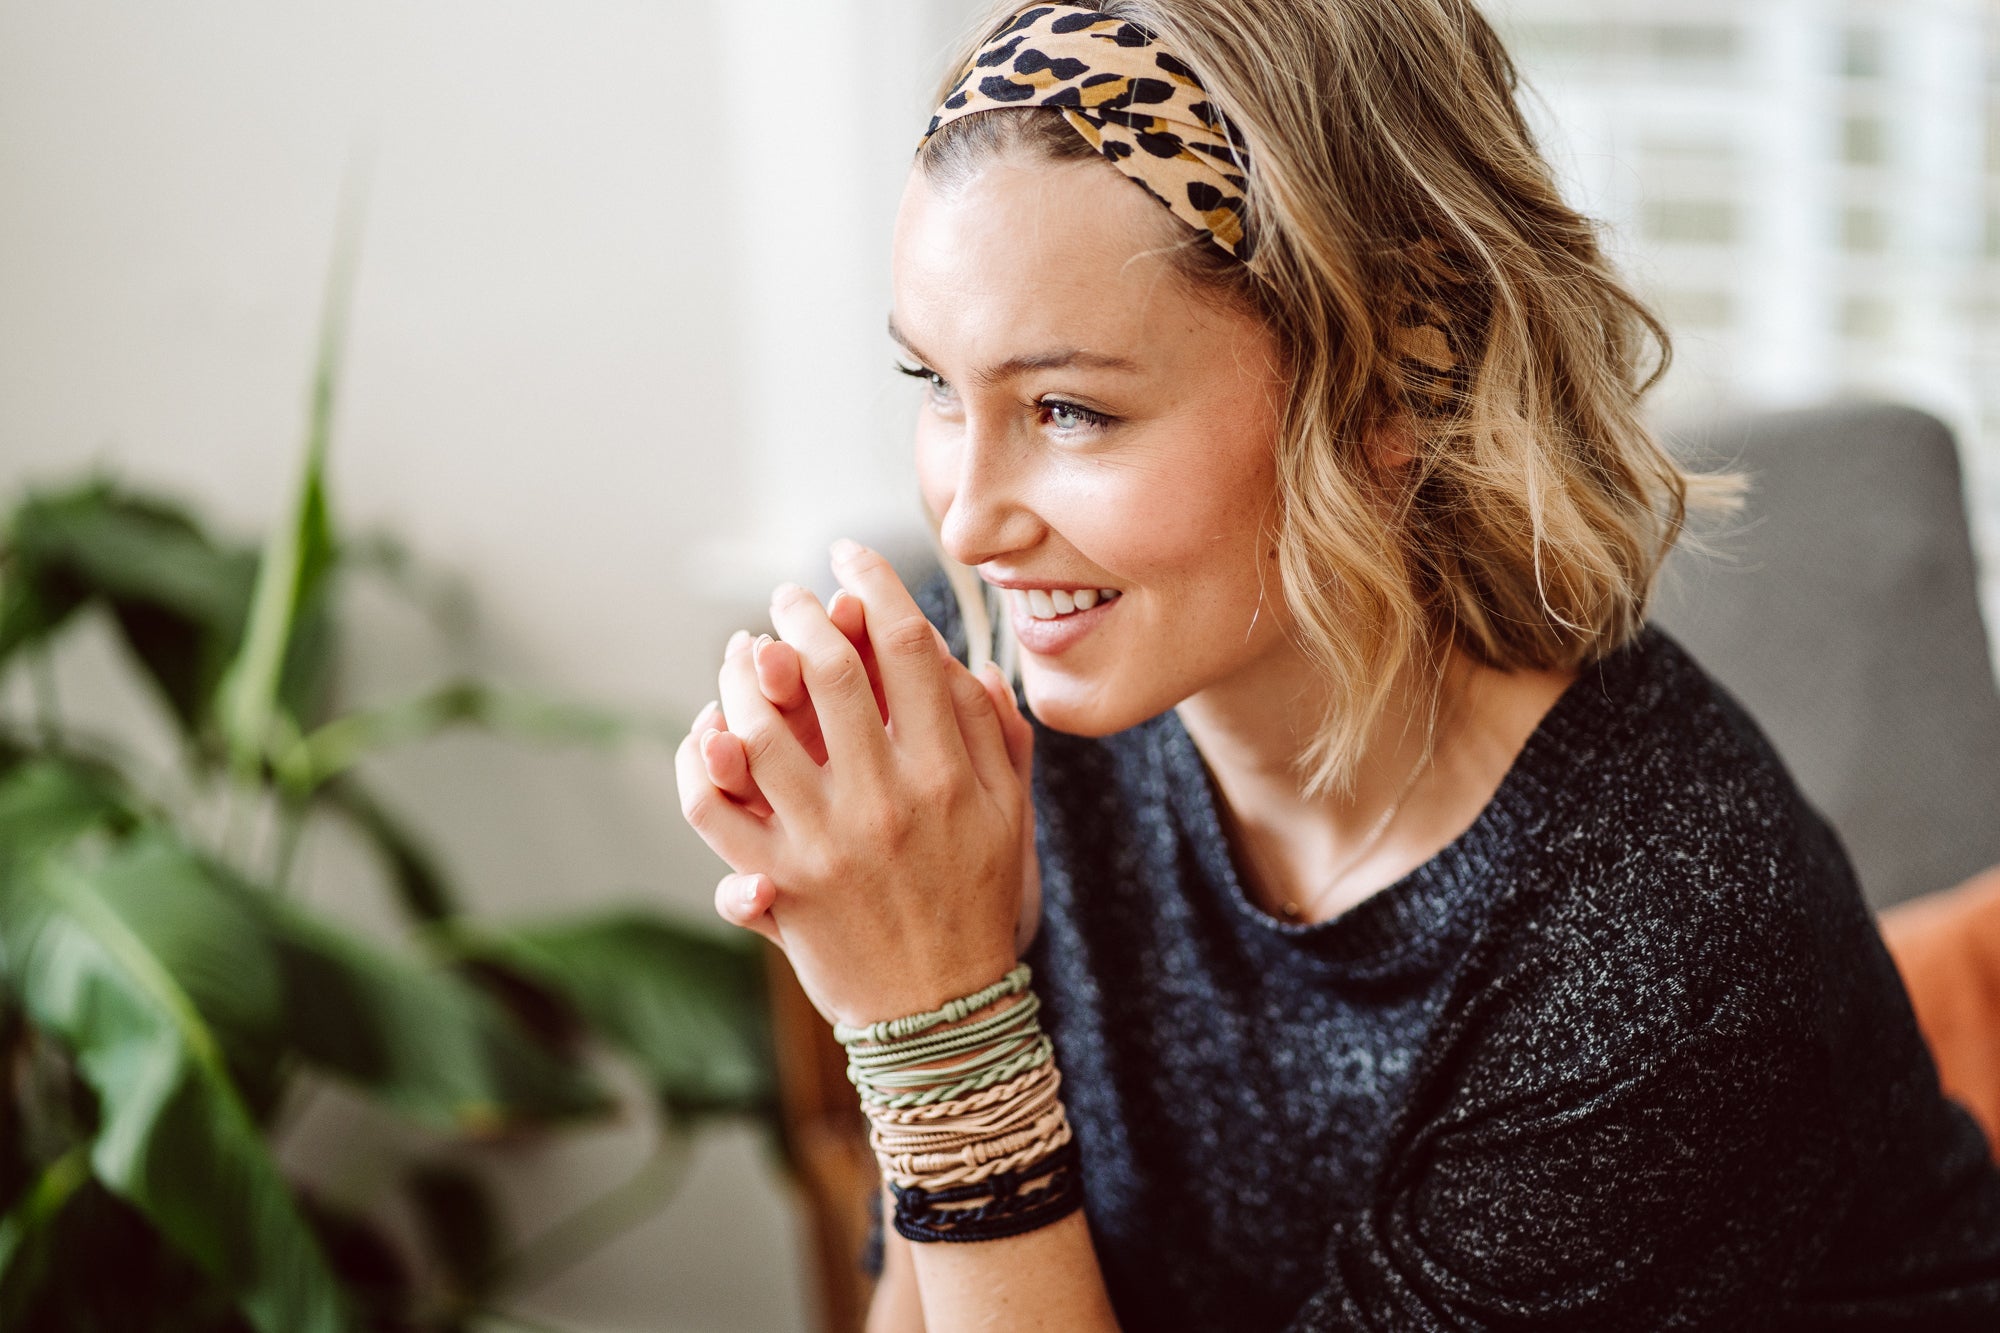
[[828, 1138]]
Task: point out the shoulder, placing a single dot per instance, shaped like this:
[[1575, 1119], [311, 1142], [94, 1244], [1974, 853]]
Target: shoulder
[[1669, 868]]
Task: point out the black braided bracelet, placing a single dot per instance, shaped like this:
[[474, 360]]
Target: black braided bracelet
[[1007, 1210]]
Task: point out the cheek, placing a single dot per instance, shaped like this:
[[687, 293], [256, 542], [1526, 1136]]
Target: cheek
[[1199, 531]]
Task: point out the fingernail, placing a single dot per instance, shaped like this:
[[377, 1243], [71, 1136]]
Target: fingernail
[[839, 595], [736, 641], [708, 711], [746, 894], [845, 551], [763, 641]]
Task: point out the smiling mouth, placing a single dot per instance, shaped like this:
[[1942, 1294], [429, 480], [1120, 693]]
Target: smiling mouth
[[1055, 603]]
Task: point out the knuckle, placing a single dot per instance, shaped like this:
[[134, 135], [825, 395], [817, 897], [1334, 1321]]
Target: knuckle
[[842, 672], [760, 740], [969, 694], [946, 801], [823, 864], [934, 788], [700, 808], [909, 636]]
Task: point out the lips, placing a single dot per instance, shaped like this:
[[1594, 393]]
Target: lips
[[1048, 637], [1049, 603]]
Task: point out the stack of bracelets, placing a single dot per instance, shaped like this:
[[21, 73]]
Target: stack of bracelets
[[978, 1148]]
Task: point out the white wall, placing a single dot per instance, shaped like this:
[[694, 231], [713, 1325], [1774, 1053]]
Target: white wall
[[616, 356]]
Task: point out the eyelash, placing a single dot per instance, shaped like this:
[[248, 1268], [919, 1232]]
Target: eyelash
[[1092, 420]]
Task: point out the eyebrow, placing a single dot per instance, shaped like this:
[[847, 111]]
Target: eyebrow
[[1014, 365]]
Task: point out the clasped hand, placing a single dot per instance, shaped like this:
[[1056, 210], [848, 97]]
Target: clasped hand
[[871, 796]]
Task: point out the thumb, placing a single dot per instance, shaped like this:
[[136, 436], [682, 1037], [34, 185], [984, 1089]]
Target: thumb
[[746, 901]]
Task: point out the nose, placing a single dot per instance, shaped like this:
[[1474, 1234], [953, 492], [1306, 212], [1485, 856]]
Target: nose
[[986, 514]]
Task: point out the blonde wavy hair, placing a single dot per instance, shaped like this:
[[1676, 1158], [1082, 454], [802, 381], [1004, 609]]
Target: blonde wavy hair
[[1389, 162]]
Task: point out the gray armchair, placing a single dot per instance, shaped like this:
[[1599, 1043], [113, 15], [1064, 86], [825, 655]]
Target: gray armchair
[[1844, 613]]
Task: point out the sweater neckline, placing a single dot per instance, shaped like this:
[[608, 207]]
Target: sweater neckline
[[1405, 921]]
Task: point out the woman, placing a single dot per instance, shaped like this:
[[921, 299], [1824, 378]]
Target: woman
[[1422, 940]]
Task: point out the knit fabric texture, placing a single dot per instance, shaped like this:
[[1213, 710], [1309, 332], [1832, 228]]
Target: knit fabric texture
[[1627, 1054]]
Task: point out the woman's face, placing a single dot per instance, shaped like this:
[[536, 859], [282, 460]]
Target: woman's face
[[1091, 424]]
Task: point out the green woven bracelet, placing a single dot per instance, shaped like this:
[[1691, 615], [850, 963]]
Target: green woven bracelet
[[918, 1078], [888, 1029], [997, 1018], [1040, 1053], [990, 1028]]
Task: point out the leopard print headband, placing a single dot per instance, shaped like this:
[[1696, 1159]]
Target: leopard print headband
[[1131, 100]]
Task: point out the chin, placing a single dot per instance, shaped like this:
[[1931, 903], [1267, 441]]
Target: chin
[[1082, 708]]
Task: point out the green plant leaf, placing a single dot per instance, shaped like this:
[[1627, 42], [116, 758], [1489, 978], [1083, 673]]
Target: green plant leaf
[[687, 1004], [372, 1272], [408, 1032], [419, 881], [460, 1224], [295, 561], [179, 598], [58, 1278], [300, 551], [341, 743], [46, 802], [174, 1138]]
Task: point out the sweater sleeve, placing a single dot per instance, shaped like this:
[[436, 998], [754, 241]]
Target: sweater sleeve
[[1610, 1141]]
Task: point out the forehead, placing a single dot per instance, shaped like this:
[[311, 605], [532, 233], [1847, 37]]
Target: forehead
[[1026, 251]]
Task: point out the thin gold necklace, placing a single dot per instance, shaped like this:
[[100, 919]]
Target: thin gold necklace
[[1293, 910], [1374, 835]]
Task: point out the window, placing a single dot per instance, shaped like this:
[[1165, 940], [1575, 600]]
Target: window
[[1691, 221]]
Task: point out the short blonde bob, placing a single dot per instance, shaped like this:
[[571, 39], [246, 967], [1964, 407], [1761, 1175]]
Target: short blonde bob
[[1390, 165]]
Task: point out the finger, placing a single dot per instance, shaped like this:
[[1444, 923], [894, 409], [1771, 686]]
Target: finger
[[745, 900], [732, 832], [728, 767], [726, 773], [979, 729], [782, 678], [1019, 731], [778, 672], [849, 720], [784, 772], [844, 610], [919, 701]]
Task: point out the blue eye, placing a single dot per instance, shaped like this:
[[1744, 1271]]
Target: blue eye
[[935, 380], [1083, 416]]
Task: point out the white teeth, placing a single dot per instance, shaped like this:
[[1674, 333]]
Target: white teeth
[[1054, 603]]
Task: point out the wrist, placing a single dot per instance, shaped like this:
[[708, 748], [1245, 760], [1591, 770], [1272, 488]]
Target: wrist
[[929, 996], [966, 1121]]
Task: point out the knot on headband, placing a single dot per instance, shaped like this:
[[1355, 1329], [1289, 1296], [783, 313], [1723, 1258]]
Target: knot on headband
[[1132, 100], [1439, 306]]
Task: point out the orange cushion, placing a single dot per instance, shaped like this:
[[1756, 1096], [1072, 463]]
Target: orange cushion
[[1947, 946]]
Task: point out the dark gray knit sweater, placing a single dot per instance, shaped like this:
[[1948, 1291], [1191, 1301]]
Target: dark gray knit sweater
[[1627, 1054]]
